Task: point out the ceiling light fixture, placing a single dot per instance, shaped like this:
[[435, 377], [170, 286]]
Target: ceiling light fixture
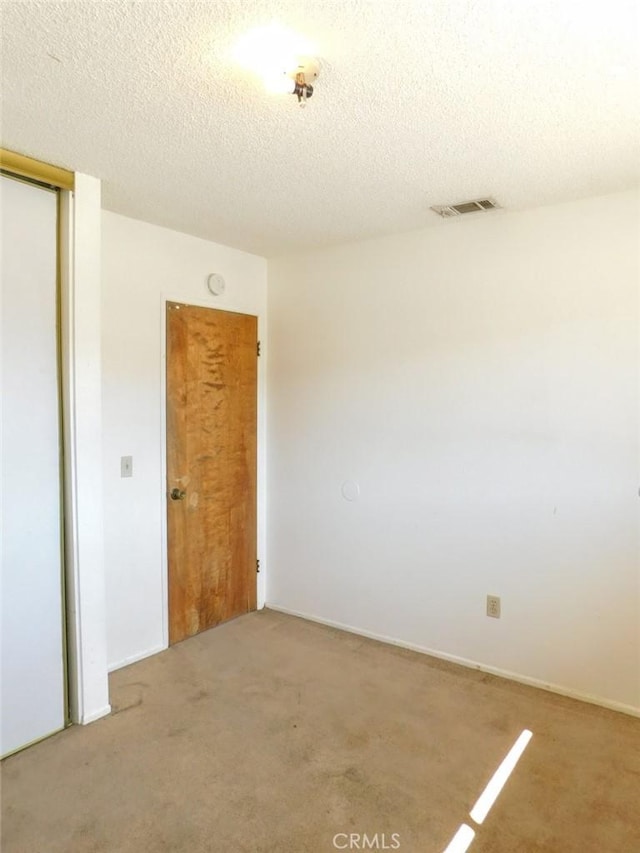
[[283, 59], [298, 80]]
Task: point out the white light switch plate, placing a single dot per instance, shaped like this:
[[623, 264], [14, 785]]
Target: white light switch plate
[[126, 466]]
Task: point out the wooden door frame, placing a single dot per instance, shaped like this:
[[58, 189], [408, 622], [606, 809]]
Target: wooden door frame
[[233, 308]]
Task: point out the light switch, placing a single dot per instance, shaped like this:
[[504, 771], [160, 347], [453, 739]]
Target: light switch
[[126, 466]]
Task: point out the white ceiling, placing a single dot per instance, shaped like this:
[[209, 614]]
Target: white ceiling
[[419, 102]]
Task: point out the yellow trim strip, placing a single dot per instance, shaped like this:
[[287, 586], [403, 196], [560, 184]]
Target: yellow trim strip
[[26, 167]]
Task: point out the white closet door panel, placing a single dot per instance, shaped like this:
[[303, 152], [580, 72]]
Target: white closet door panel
[[32, 689]]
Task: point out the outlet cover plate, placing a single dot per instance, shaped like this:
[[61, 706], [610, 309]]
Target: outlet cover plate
[[493, 606]]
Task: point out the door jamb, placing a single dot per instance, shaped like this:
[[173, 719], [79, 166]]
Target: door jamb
[[82, 417]]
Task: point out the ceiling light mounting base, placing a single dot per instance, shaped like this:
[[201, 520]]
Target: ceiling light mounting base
[[304, 76]]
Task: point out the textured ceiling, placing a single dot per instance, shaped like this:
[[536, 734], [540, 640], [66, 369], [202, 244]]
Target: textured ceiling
[[419, 102]]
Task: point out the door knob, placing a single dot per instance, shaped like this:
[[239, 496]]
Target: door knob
[[177, 495]]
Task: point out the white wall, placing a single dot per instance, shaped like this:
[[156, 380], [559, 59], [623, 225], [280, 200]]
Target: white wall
[[479, 382], [142, 265]]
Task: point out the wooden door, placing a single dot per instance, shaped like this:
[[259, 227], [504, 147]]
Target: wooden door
[[211, 467]]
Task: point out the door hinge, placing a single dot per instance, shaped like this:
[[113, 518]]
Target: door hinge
[[258, 347], [258, 566]]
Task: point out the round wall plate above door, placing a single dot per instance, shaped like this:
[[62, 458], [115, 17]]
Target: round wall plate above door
[[216, 284]]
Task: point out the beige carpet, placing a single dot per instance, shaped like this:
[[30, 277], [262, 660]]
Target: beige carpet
[[274, 734]]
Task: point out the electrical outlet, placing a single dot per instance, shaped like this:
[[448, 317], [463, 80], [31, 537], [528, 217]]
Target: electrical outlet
[[493, 606], [126, 466]]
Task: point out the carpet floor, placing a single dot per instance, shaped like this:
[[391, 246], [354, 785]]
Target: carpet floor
[[270, 733]]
